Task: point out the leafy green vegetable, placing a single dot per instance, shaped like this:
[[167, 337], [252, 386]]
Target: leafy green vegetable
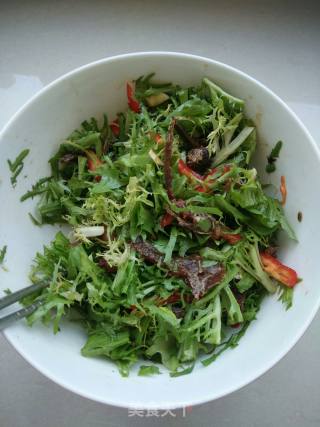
[[154, 272], [3, 252], [273, 156], [182, 372], [286, 296], [247, 257], [245, 283], [229, 149], [166, 347], [146, 370], [218, 93], [16, 166], [232, 307], [232, 342]]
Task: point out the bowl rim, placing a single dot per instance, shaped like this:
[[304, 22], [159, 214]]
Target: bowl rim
[[299, 332]]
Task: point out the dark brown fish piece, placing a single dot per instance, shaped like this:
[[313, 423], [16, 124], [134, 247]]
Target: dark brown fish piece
[[198, 278], [198, 159], [190, 269], [148, 252]]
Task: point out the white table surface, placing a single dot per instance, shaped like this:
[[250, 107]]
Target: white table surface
[[277, 42]]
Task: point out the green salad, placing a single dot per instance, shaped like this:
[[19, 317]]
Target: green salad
[[172, 243]]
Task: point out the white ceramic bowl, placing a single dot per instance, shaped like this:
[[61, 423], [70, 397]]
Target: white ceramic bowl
[[100, 87]]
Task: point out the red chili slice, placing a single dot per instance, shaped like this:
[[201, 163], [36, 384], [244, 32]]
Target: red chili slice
[[158, 138], [183, 169], [93, 163], [200, 189], [286, 275], [166, 220], [231, 238], [176, 297], [115, 128], [235, 325], [132, 102]]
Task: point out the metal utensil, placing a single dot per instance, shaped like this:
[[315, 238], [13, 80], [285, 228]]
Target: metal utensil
[[16, 297]]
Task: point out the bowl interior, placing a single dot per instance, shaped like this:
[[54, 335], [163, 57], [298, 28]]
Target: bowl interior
[[98, 88]]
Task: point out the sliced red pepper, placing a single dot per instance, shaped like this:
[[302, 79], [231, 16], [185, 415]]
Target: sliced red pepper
[[283, 190], [158, 138], [132, 102], [93, 160], [191, 174], [115, 128], [176, 297], [208, 180], [134, 310], [286, 275], [235, 325], [231, 238], [93, 163], [201, 189], [166, 220], [213, 171], [188, 172]]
